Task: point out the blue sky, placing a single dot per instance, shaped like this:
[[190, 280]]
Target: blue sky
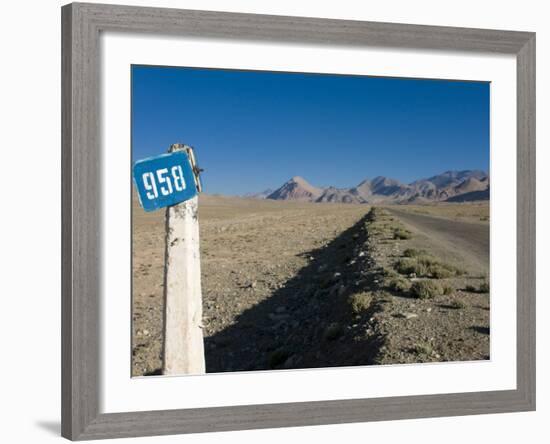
[[255, 130]]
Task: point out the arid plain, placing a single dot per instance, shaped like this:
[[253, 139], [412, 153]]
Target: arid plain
[[291, 284]]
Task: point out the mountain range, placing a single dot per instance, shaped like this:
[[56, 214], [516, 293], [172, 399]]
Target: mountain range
[[450, 186]]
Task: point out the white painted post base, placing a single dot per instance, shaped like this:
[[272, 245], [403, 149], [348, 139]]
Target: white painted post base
[[183, 337]]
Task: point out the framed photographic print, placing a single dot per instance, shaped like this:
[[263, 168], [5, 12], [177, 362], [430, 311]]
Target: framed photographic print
[[280, 221]]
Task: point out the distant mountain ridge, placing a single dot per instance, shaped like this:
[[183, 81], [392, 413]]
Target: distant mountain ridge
[[296, 188], [260, 195], [450, 186]]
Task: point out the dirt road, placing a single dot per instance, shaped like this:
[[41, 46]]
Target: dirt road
[[468, 239]]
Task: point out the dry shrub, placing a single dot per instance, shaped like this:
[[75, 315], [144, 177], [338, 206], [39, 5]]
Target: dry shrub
[[360, 302], [426, 289], [426, 266], [423, 349], [458, 304], [401, 233], [397, 283], [413, 252]]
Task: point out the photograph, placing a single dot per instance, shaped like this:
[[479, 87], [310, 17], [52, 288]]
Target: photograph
[[329, 220]]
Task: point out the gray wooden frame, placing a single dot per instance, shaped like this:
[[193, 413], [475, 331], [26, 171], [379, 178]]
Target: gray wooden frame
[[81, 232]]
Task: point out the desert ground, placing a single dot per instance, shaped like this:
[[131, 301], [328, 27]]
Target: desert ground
[[303, 285]]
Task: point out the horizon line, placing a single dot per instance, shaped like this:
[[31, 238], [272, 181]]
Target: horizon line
[[486, 172]]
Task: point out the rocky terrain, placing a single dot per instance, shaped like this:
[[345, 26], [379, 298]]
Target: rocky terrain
[[450, 186], [291, 284]]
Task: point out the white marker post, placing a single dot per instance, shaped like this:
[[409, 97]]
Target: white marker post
[[183, 338]]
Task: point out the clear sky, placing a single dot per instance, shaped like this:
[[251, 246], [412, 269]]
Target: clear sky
[[255, 130]]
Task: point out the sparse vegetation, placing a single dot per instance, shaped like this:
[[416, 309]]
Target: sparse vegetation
[[377, 213], [427, 289], [457, 304], [426, 266], [482, 288], [394, 281], [410, 266], [377, 231], [440, 271], [360, 302], [388, 272], [397, 283], [411, 270], [382, 225], [401, 233], [413, 252], [385, 298], [423, 349], [298, 295]]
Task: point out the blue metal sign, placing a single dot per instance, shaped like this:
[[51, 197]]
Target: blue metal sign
[[164, 180]]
